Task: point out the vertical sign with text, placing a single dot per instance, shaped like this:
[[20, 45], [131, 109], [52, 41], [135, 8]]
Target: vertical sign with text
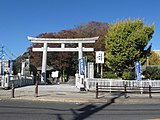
[[100, 57], [82, 66], [138, 70]]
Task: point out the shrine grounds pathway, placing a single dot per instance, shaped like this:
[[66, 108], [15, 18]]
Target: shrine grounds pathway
[[69, 93]]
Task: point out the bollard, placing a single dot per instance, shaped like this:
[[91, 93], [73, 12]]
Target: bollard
[[13, 88], [96, 90], [150, 96], [36, 89]]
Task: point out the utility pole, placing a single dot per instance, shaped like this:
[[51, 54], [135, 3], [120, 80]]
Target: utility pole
[[2, 60]]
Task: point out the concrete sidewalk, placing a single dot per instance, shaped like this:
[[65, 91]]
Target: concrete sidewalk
[[69, 93]]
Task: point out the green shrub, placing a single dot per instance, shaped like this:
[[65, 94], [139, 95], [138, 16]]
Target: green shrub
[[97, 75], [109, 75], [127, 75], [152, 73]]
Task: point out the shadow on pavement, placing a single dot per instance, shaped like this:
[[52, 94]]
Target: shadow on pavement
[[80, 113], [91, 109]]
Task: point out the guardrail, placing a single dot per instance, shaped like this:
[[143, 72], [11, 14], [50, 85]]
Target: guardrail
[[127, 89]]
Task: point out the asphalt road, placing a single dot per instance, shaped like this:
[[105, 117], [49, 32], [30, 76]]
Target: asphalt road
[[33, 110]]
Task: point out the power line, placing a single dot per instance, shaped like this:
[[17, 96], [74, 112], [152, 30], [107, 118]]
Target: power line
[[4, 50], [8, 50]]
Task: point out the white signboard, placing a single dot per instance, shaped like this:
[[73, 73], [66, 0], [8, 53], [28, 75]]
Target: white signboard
[[99, 56], [55, 74]]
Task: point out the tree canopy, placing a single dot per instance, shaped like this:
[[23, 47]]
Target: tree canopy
[[126, 43], [154, 59]]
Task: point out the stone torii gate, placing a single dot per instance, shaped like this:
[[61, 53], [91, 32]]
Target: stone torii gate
[[80, 49]]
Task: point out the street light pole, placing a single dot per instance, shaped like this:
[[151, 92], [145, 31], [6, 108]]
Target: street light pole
[[2, 60]]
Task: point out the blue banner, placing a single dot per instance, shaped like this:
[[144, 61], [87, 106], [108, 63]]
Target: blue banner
[[138, 70], [2, 68], [82, 66]]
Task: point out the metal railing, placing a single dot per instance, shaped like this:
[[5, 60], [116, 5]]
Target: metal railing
[[90, 84], [126, 89]]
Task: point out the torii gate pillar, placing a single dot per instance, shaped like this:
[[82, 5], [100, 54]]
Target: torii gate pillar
[[80, 52], [44, 63]]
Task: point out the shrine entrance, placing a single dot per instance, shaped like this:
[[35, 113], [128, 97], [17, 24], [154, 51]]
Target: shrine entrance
[[45, 41]]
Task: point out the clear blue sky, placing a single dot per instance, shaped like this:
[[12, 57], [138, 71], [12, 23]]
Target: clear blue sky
[[22, 18]]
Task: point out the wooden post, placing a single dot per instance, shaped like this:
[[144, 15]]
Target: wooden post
[[96, 90], [150, 96], [101, 70], [125, 90], [36, 89], [97, 68], [13, 88]]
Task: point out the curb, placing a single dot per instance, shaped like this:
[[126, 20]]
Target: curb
[[66, 100], [100, 100]]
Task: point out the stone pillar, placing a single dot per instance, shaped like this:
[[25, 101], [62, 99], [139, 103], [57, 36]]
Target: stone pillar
[[77, 80], [23, 68], [90, 70], [44, 63]]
